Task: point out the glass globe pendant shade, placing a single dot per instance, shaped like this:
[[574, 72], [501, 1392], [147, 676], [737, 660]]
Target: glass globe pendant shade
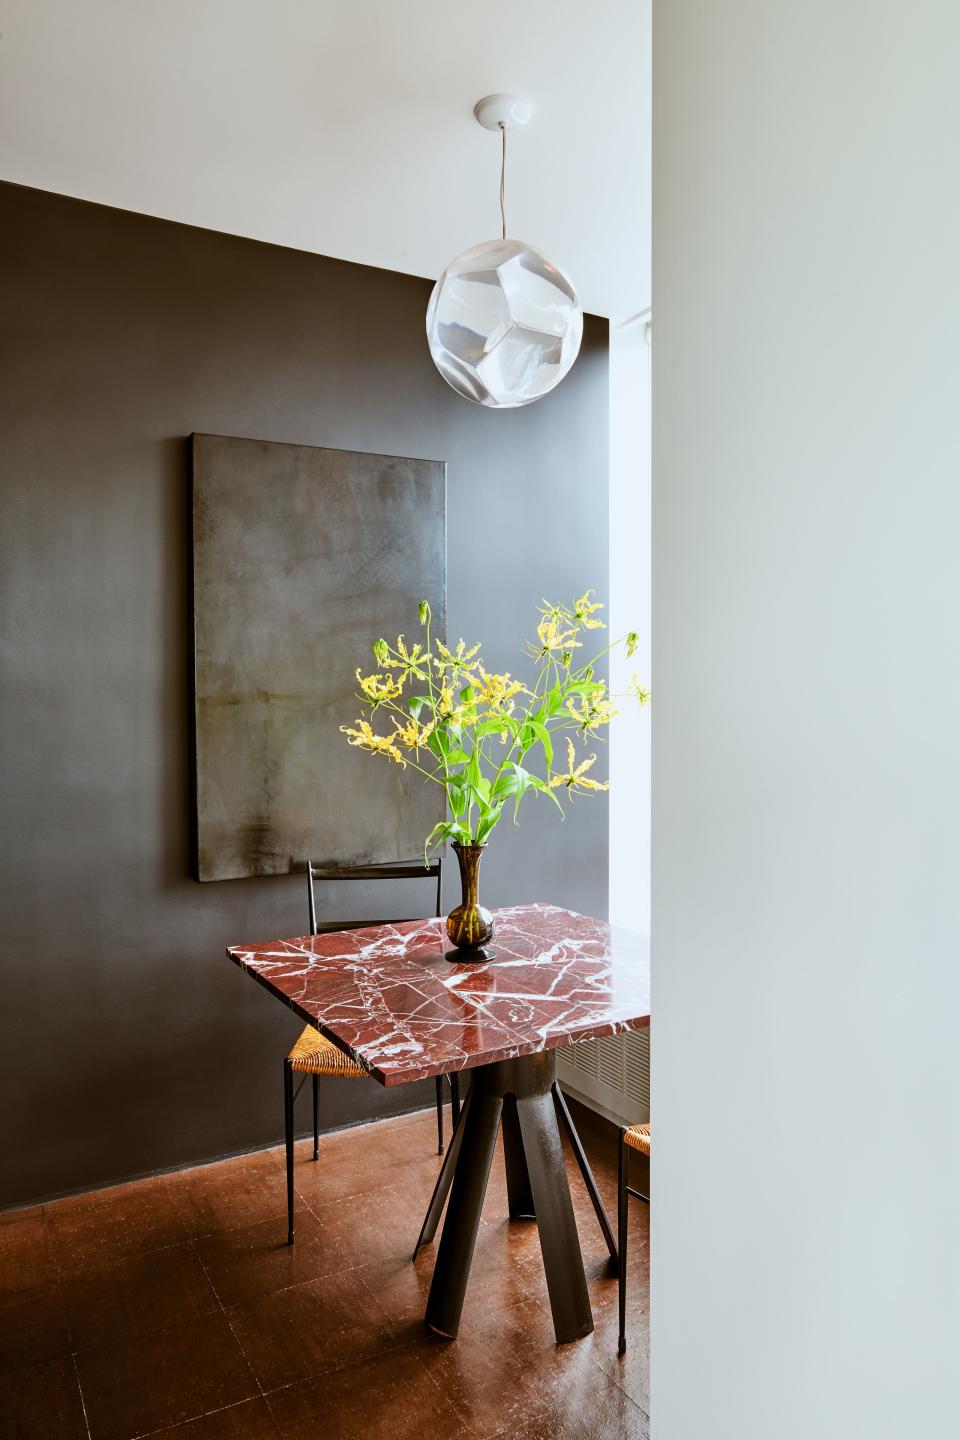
[[504, 324]]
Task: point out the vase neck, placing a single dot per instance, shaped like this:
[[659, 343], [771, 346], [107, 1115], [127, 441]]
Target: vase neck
[[468, 858]]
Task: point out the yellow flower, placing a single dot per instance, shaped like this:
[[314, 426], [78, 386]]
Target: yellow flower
[[576, 777], [366, 739], [458, 662], [379, 688], [447, 709], [445, 701], [636, 690], [411, 734], [592, 711], [410, 661], [497, 691], [553, 639], [584, 610]]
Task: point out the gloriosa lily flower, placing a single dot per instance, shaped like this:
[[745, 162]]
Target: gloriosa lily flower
[[584, 610], [377, 689], [365, 738], [498, 691], [553, 638], [576, 777], [411, 661], [458, 661], [592, 711], [411, 734]]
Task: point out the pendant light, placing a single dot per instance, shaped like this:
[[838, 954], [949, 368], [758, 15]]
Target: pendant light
[[504, 324]]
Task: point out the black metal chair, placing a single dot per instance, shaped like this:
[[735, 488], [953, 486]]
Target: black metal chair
[[637, 1139], [314, 1054]]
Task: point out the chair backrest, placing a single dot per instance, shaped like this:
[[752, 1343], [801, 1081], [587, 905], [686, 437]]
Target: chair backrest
[[412, 871]]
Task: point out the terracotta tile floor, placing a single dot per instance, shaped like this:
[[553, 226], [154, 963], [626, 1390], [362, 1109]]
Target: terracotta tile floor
[[172, 1307]]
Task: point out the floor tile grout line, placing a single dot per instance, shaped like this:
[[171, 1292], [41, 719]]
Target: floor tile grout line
[[83, 1403], [617, 1381], [236, 1338], [218, 1410], [218, 1307], [334, 1370]]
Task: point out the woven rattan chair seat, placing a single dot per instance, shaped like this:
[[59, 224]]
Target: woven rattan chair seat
[[314, 1054], [638, 1138]]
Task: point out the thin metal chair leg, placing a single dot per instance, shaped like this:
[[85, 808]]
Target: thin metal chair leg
[[439, 1114], [585, 1171], [442, 1188], [316, 1116], [454, 1080], [288, 1133], [623, 1179]]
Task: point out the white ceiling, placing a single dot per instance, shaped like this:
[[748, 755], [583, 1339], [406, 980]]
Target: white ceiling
[[346, 128]]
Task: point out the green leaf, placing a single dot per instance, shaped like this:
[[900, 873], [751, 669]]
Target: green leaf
[[438, 744], [456, 787], [416, 703], [515, 781], [487, 822], [495, 724], [543, 735], [554, 700], [506, 782], [445, 830]]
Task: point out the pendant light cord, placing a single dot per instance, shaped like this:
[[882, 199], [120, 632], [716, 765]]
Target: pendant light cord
[[503, 176]]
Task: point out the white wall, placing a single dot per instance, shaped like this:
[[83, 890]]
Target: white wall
[[806, 801]]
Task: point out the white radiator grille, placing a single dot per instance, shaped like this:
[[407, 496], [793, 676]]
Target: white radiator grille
[[611, 1074]]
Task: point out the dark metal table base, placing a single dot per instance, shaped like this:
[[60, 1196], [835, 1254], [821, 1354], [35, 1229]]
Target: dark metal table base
[[524, 1097]]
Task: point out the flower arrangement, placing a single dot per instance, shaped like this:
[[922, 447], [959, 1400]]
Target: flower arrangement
[[476, 732]]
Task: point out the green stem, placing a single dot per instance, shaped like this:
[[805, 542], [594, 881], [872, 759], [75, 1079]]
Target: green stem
[[433, 707]]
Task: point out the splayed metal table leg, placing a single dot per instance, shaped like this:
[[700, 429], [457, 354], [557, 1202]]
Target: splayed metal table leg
[[519, 1194], [521, 1092], [479, 1125], [559, 1241]]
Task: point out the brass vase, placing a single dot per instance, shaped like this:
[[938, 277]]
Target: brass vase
[[470, 926]]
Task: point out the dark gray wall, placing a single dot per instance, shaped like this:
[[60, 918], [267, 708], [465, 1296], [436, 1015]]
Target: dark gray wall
[[127, 1041]]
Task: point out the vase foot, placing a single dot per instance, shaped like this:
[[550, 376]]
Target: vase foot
[[470, 957]]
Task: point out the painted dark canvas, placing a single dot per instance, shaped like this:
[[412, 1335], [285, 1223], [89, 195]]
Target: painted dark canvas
[[302, 558]]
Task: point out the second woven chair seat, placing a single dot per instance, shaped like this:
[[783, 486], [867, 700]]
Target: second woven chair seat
[[314, 1054], [638, 1138]]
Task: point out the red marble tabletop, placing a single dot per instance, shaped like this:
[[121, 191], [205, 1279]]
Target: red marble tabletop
[[388, 996]]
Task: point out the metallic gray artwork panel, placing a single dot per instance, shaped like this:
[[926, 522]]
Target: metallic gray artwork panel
[[302, 557]]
